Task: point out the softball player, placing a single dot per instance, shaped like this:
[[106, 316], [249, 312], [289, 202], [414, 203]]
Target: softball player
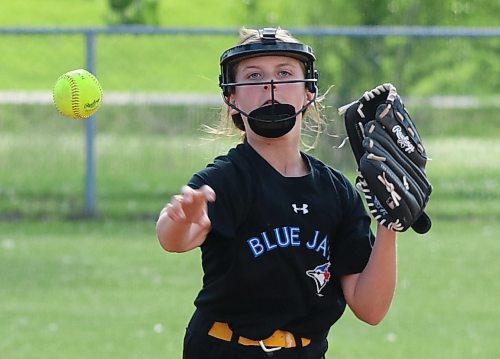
[[285, 239]]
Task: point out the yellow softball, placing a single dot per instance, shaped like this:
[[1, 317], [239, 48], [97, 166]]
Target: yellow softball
[[77, 94]]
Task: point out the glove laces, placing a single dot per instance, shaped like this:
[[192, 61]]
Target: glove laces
[[390, 188]]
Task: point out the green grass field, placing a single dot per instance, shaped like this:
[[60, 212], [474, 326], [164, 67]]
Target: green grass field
[[106, 290]]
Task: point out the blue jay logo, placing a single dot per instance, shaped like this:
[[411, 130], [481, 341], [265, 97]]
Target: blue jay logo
[[321, 276]]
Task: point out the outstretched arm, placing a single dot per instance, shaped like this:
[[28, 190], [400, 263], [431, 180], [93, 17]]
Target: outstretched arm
[[369, 294], [184, 224]]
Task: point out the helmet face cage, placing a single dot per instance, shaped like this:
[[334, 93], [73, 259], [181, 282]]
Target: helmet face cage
[[268, 45]]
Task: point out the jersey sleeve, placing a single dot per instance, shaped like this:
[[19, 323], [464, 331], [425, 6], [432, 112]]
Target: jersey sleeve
[[353, 238], [227, 210]]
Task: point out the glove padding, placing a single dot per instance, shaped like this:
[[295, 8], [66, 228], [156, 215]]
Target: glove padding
[[391, 159]]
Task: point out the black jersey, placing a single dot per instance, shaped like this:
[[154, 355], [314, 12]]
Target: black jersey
[[278, 245]]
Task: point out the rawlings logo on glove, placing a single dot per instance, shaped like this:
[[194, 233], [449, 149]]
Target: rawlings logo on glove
[[391, 159], [403, 141]]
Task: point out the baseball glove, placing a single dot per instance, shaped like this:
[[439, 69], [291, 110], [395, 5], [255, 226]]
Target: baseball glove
[[391, 159]]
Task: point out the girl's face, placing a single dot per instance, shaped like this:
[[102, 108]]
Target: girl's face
[[267, 68]]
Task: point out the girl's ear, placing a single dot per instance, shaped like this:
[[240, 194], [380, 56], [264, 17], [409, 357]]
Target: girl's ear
[[231, 100], [308, 97]]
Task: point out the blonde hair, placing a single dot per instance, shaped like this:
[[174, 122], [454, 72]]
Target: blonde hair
[[313, 119], [248, 36]]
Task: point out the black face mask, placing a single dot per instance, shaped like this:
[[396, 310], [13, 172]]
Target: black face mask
[[272, 121]]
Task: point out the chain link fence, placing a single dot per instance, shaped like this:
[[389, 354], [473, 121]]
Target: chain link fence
[[164, 82]]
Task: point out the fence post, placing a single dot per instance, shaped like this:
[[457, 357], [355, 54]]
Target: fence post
[[90, 127]]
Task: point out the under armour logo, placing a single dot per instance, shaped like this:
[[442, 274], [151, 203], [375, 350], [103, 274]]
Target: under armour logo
[[302, 209]]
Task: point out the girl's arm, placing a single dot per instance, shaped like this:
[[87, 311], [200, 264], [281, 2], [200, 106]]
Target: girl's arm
[[184, 224], [369, 294]]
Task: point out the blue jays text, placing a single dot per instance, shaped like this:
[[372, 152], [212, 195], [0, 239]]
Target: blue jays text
[[282, 237]]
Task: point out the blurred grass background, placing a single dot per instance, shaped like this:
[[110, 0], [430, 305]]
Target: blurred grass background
[[106, 290], [103, 288]]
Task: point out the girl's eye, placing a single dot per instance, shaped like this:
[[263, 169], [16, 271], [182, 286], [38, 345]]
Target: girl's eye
[[254, 76], [284, 73]]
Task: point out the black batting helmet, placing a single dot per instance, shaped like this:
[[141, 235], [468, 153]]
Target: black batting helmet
[[267, 44]]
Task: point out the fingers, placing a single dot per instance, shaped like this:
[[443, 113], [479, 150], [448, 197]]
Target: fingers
[[189, 204], [175, 210], [208, 192], [204, 193]]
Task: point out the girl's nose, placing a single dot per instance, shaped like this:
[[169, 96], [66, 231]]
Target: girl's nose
[[266, 87]]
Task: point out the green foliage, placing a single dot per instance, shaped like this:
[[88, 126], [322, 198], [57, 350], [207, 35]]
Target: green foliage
[[403, 12], [133, 12], [415, 65]]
